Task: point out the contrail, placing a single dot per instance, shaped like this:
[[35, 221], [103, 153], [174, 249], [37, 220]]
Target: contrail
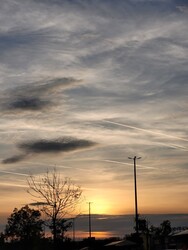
[[173, 146], [119, 162], [44, 164], [146, 130], [124, 163], [63, 166], [14, 173], [12, 185]]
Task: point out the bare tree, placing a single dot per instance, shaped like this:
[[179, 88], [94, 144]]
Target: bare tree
[[56, 196]]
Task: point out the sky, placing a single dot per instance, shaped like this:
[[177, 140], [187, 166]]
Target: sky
[[85, 84]]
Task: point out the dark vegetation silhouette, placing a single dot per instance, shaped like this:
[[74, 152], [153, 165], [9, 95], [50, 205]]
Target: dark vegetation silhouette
[[56, 197], [25, 231], [24, 228], [161, 233], [24, 224]]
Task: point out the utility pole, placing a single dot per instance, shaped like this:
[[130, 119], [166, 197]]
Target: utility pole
[[89, 216], [135, 191]]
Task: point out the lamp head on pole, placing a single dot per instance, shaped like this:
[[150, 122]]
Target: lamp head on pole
[[135, 157]]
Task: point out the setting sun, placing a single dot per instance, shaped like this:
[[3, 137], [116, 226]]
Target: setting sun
[[99, 206]]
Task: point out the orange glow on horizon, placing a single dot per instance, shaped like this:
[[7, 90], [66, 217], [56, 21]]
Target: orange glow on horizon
[[96, 234]]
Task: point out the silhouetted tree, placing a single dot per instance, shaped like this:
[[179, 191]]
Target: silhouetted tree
[[142, 225], [24, 225], [62, 226], [166, 228], [56, 196], [2, 239], [161, 233]]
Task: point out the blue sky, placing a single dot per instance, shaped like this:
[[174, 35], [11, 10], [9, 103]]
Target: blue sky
[[84, 86]]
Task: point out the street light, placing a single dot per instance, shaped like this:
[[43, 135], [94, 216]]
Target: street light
[[135, 190]]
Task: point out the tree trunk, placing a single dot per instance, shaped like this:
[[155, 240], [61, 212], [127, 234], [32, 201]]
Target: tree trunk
[[54, 234]]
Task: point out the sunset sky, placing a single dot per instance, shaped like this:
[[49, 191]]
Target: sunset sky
[[85, 84]]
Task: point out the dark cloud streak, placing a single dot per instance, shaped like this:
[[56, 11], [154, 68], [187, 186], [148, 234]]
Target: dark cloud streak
[[38, 204], [65, 144], [35, 96], [32, 103], [13, 159]]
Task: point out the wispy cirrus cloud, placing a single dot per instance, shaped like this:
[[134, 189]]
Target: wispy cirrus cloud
[[131, 57]]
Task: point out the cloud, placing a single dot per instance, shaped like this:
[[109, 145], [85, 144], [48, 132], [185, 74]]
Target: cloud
[[60, 145], [132, 57], [32, 103], [13, 173], [183, 8], [37, 95], [116, 223], [13, 159], [65, 144], [38, 204], [147, 131]]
